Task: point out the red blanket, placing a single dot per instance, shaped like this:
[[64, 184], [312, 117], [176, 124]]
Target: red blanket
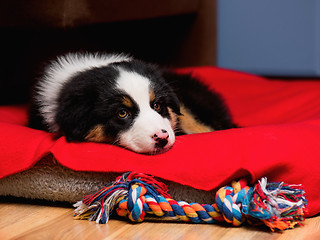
[[280, 139]]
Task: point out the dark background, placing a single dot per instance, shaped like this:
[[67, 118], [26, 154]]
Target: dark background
[[170, 33]]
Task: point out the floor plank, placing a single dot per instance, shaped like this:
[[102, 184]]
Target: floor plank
[[34, 221]]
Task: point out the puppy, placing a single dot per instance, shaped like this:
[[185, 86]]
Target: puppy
[[116, 99]]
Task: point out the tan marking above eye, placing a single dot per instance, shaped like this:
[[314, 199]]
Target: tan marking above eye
[[96, 134], [189, 124], [152, 95], [127, 102]]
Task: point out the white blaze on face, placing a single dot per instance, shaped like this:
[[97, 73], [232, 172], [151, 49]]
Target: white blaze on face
[[139, 136]]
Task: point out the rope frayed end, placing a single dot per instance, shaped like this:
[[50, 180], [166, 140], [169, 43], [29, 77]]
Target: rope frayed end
[[278, 205]]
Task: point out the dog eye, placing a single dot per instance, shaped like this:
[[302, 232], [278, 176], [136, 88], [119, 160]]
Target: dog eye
[[156, 106], [123, 113]]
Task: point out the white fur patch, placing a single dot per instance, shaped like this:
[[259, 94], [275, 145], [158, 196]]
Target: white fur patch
[[59, 72], [139, 137]]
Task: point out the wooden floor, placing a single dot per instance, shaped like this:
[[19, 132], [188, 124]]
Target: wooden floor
[[41, 221]]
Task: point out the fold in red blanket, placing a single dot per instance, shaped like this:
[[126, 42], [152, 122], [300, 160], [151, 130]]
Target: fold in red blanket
[[279, 139]]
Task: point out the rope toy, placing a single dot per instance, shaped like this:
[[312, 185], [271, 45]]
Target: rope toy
[[134, 195]]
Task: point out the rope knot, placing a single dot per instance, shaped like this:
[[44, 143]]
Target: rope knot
[[229, 202]]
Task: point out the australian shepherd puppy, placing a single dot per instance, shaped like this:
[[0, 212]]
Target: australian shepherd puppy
[[116, 99]]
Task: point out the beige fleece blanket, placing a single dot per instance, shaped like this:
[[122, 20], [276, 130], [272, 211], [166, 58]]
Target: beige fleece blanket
[[51, 181]]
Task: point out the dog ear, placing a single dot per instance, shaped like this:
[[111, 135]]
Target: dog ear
[[75, 114], [173, 102], [171, 78]]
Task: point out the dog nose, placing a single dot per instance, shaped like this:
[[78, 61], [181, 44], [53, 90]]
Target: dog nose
[[161, 138]]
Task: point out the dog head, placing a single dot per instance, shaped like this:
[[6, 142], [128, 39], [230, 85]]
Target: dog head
[[127, 103]]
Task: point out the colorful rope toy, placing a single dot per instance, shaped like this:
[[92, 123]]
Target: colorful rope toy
[[137, 196]]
